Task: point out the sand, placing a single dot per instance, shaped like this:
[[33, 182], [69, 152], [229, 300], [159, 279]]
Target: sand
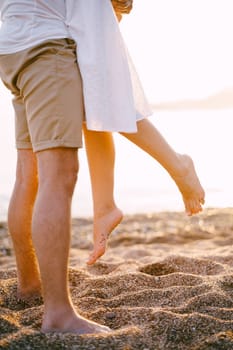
[[166, 282]]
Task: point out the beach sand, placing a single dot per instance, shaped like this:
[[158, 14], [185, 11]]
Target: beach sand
[[166, 282]]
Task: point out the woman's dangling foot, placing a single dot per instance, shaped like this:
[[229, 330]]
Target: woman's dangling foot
[[102, 228], [189, 186]]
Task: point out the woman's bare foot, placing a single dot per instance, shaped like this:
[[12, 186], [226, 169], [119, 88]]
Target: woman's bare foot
[[102, 228], [189, 186], [70, 322]]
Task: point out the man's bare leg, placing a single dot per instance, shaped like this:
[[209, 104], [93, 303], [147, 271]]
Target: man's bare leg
[[101, 158], [180, 167], [19, 223], [51, 227]]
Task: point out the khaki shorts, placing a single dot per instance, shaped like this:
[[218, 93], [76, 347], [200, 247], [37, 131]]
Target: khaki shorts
[[48, 100]]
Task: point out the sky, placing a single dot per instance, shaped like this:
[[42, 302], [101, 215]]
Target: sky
[[181, 48]]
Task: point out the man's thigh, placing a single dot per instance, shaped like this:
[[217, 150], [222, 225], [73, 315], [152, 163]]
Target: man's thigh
[[51, 88], [48, 100]]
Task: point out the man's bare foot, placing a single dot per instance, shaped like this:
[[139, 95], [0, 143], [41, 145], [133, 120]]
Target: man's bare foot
[[71, 322], [29, 295], [102, 228], [190, 187]]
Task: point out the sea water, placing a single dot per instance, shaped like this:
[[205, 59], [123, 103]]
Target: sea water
[[141, 184]]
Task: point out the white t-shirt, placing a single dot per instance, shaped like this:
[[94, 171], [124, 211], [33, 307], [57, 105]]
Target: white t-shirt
[[27, 23]]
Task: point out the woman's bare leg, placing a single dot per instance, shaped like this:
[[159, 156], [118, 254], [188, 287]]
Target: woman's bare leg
[[180, 167], [101, 158]]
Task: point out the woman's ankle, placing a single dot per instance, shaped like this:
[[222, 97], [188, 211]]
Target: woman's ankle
[[103, 210], [181, 166]]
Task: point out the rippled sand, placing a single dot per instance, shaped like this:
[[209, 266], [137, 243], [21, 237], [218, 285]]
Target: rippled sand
[[166, 282]]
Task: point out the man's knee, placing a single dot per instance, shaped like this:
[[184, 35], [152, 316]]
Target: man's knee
[[58, 168]]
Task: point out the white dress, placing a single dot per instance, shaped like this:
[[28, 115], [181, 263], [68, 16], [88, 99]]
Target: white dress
[[113, 97]]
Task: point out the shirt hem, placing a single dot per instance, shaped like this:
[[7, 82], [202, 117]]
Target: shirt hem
[[33, 44]]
